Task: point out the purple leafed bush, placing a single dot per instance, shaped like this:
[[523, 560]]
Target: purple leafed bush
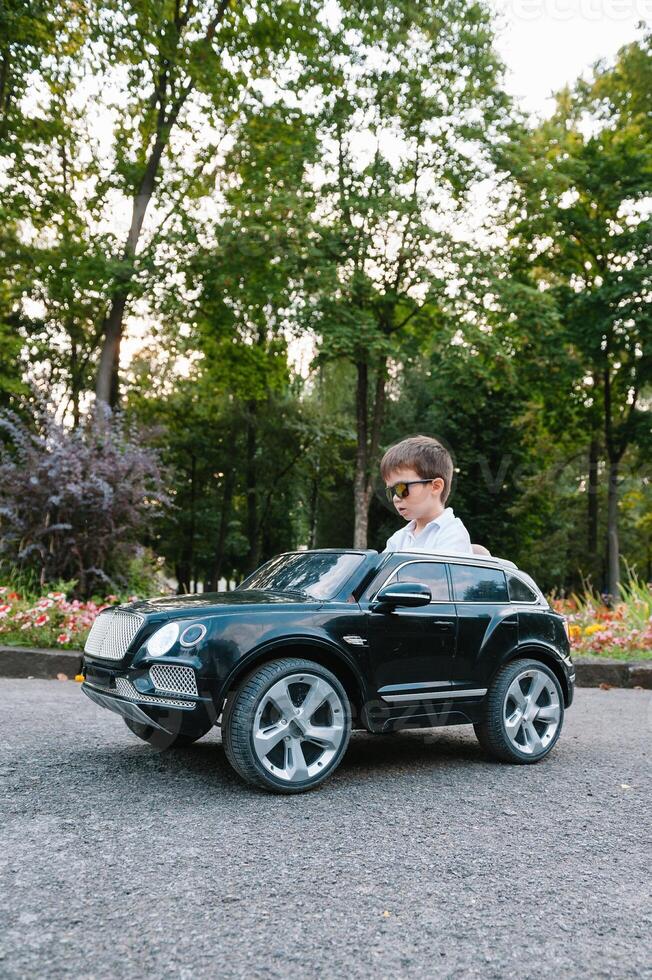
[[76, 504]]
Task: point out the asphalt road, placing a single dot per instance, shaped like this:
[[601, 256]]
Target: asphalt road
[[418, 858]]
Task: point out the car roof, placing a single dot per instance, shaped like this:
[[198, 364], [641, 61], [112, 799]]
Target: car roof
[[445, 555], [459, 556]]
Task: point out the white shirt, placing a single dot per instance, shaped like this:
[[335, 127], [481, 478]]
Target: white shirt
[[445, 534]]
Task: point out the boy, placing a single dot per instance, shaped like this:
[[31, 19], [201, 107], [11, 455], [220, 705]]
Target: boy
[[418, 473]]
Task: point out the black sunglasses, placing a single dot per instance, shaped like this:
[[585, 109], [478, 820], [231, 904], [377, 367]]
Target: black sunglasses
[[402, 489]]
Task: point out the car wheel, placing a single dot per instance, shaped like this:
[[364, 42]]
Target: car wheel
[[524, 713], [160, 739], [287, 726]]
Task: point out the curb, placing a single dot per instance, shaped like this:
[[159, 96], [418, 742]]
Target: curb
[[30, 662], [614, 673]]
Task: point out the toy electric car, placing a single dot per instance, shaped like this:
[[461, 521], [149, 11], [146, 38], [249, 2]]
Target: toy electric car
[[315, 643]]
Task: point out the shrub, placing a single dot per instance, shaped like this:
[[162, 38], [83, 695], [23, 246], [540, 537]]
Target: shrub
[[74, 504], [622, 632]]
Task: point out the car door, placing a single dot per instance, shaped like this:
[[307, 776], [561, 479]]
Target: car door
[[487, 621], [413, 650]]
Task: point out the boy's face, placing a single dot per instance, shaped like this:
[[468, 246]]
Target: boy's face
[[423, 498]]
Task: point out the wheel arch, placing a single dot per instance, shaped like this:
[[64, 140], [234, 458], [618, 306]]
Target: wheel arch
[[321, 653], [545, 656]]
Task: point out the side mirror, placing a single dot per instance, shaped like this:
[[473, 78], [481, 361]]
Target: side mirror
[[403, 594]]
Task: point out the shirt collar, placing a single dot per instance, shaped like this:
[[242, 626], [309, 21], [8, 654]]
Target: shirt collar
[[444, 518]]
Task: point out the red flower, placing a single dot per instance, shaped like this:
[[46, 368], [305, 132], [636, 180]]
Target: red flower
[[41, 620]]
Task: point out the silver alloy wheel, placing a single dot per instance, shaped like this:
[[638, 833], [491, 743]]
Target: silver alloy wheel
[[299, 726], [531, 711]]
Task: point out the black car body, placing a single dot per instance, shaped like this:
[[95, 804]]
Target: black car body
[[414, 640]]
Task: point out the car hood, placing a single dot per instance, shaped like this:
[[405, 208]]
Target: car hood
[[205, 603]]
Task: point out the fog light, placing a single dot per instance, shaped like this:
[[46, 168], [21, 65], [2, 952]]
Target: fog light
[[192, 635]]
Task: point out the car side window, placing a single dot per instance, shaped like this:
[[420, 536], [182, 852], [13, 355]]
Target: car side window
[[518, 590], [474, 584], [430, 573]]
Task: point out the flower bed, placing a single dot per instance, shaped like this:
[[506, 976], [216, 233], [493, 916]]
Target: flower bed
[[623, 632], [50, 621]]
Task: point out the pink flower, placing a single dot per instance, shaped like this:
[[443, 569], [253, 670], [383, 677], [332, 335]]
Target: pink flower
[[4, 608], [63, 638], [44, 603], [3, 589], [41, 620]]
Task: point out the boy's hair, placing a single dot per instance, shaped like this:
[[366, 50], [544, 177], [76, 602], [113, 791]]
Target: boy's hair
[[425, 455]]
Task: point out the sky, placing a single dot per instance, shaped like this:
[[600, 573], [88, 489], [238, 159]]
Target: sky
[[549, 43]]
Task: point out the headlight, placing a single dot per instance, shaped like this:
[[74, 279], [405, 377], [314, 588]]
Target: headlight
[[163, 640]]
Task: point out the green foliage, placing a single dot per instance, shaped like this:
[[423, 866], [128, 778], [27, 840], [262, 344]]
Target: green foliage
[[582, 233], [239, 177]]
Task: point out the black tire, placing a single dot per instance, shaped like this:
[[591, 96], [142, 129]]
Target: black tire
[[522, 736], [160, 739], [245, 717]]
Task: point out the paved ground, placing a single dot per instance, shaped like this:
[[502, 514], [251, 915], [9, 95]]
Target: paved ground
[[419, 858]]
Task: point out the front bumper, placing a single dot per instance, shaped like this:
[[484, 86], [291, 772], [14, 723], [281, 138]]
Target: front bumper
[[122, 707], [571, 686], [133, 695]]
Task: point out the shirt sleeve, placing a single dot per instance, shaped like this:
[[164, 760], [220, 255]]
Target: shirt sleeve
[[455, 538], [392, 543]]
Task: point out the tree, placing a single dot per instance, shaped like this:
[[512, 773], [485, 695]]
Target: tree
[[39, 43], [184, 62], [405, 126], [583, 178], [168, 81]]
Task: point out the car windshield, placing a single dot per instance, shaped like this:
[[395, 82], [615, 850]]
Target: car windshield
[[319, 575]]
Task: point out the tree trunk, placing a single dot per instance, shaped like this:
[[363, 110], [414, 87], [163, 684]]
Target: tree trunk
[[613, 552], [314, 508], [227, 496], [592, 541], [75, 380], [182, 573], [253, 536], [360, 498], [107, 387], [107, 383], [192, 574], [366, 448]]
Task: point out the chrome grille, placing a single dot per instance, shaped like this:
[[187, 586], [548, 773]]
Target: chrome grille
[[178, 680], [125, 689], [112, 633]]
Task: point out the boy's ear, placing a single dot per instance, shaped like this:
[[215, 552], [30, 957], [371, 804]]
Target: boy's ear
[[438, 485]]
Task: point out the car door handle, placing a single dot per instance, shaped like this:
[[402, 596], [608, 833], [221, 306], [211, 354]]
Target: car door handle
[[444, 623], [510, 622]]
